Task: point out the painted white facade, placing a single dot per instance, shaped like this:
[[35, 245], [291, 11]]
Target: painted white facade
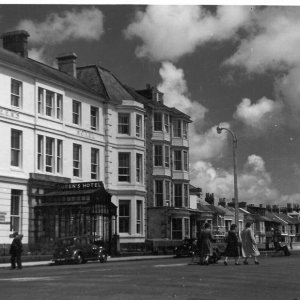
[[36, 129]]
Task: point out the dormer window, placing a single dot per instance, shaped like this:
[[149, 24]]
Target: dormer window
[[158, 96]]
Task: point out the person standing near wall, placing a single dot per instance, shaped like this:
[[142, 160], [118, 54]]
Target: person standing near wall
[[15, 251]]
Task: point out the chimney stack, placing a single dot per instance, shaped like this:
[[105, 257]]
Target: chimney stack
[[16, 41], [67, 63]]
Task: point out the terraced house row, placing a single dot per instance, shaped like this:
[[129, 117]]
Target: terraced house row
[[82, 153]]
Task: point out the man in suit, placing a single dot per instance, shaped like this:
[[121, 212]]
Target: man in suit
[[16, 251]]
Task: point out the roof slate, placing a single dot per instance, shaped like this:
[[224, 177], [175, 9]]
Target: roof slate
[[39, 69]]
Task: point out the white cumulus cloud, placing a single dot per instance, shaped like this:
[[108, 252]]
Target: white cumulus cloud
[[176, 93], [259, 115], [84, 24], [273, 35], [203, 145], [169, 32], [269, 45], [254, 182]]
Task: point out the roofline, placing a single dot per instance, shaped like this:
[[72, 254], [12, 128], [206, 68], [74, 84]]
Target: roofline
[[79, 90]]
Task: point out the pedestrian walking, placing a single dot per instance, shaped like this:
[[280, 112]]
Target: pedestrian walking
[[233, 246], [278, 246], [16, 251], [206, 240], [249, 247]]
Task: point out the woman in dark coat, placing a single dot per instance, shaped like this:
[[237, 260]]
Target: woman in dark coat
[[206, 240], [232, 248]]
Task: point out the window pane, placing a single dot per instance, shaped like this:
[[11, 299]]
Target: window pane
[[186, 195], [167, 156], [16, 198], [178, 195], [139, 216], [124, 167], [59, 159], [185, 130], [177, 160], [16, 90], [167, 122], [16, 148], [49, 103], [94, 118], [123, 123], [157, 121], [168, 195], [138, 125], [186, 228], [49, 154], [177, 128], [76, 160], [177, 228], [124, 216], [158, 155], [76, 112], [59, 106], [139, 169], [40, 100], [94, 163], [159, 193], [185, 160], [40, 152]]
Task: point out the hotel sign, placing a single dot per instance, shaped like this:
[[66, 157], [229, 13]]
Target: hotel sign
[[85, 134], [80, 186], [9, 113]]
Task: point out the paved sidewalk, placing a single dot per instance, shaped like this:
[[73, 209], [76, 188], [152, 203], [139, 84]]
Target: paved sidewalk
[[109, 259], [296, 247]]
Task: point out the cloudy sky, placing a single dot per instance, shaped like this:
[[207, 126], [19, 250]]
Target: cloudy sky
[[238, 66]]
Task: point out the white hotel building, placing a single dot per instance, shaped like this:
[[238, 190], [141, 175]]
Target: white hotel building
[[55, 131]]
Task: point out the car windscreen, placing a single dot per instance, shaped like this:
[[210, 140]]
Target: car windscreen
[[65, 242]]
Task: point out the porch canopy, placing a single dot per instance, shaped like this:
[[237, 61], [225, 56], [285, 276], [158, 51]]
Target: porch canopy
[[75, 209]]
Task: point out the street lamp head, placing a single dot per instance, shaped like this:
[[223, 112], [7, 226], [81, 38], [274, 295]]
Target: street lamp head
[[219, 130]]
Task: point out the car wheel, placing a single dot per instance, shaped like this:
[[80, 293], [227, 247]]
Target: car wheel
[[79, 259], [103, 258]]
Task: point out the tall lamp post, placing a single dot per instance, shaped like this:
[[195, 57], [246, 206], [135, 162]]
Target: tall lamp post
[[236, 199]]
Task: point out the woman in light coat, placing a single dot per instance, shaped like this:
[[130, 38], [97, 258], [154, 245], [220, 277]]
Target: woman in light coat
[[206, 240], [249, 247]]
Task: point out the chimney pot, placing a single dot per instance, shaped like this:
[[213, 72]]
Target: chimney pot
[[16, 41]]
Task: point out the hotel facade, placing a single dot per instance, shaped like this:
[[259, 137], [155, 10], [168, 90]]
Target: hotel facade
[[84, 154]]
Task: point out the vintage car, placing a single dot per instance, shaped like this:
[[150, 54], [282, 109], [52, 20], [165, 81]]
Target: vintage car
[[78, 249], [189, 247]]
